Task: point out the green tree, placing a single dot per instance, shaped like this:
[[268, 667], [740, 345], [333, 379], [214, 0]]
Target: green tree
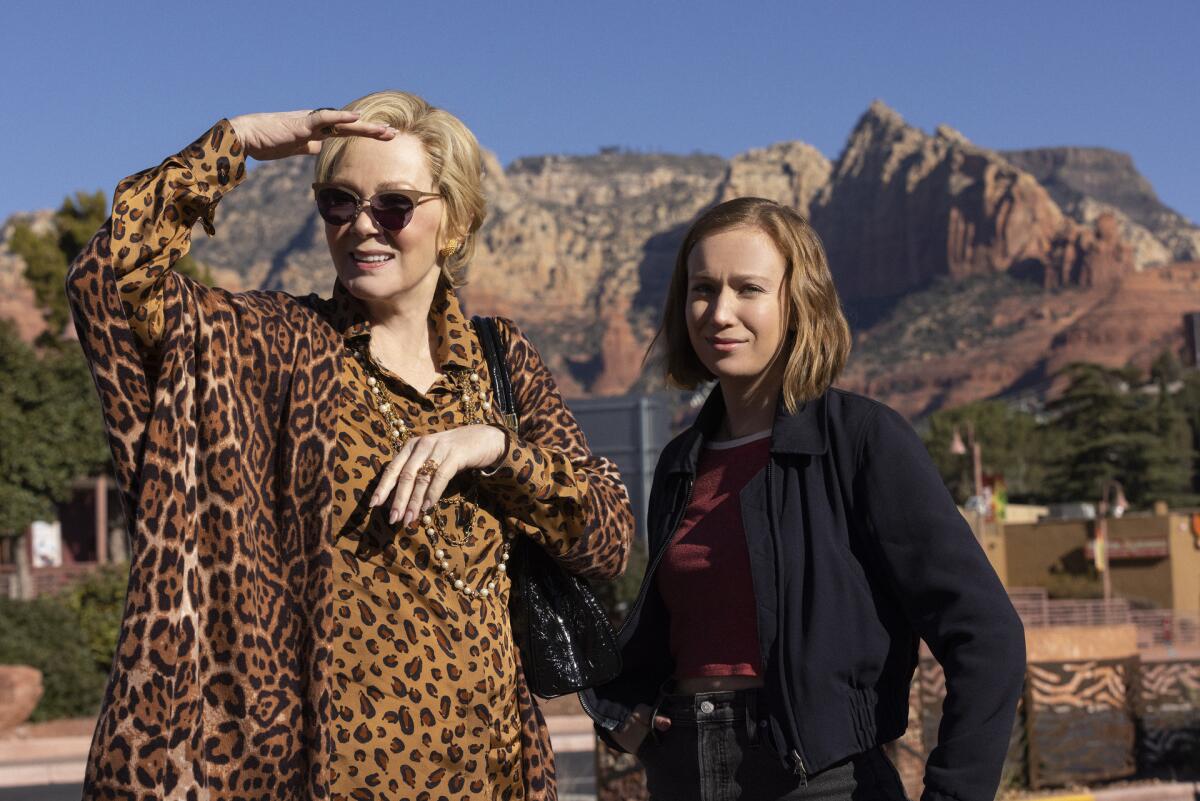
[[1011, 444], [50, 426], [78, 219], [1113, 431]]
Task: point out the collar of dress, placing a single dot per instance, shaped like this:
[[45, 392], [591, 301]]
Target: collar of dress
[[455, 344]]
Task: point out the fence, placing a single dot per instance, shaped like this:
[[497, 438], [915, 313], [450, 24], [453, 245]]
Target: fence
[[1156, 628], [46, 580]]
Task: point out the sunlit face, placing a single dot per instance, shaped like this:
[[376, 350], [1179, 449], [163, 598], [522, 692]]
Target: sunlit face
[[373, 263], [735, 303]]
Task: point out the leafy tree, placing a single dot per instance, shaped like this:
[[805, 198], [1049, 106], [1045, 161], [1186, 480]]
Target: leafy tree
[[78, 219], [50, 426], [1011, 443]]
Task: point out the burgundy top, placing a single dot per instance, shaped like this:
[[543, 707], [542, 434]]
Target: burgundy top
[[704, 577]]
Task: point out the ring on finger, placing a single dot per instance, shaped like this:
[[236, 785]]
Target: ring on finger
[[429, 468]]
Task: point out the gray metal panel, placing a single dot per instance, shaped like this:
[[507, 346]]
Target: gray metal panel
[[631, 430]]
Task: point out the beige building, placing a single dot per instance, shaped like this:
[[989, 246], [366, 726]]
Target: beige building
[[1154, 559]]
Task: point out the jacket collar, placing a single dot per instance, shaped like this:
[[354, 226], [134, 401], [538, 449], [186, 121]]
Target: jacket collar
[[805, 432], [455, 346]]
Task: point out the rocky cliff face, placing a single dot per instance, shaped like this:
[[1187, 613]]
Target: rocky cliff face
[[1085, 181], [579, 249], [903, 207], [18, 304]]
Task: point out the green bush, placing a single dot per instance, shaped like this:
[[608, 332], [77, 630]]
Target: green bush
[[98, 603], [70, 637], [45, 634]]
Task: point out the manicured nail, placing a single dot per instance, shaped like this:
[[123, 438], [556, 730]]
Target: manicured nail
[[373, 502], [409, 517], [393, 516]]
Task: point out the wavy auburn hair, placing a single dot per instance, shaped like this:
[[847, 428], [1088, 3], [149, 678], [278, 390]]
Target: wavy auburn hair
[[818, 340]]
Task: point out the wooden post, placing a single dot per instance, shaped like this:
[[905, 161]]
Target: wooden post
[[101, 519]]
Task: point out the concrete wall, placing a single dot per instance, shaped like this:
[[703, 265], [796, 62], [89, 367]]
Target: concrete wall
[[1033, 552], [1066, 643]]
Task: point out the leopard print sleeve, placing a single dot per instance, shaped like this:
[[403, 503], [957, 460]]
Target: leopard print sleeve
[[554, 488], [152, 219]]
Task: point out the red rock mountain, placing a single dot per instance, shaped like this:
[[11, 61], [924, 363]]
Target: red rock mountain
[[967, 273]]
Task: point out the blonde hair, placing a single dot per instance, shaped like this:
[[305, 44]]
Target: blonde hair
[[818, 339], [454, 160]]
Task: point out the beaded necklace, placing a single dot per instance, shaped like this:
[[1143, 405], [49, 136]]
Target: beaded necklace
[[474, 402]]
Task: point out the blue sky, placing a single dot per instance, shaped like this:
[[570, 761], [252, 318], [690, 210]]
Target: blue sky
[[92, 94]]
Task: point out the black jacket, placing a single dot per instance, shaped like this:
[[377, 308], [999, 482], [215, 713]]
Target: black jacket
[[856, 551]]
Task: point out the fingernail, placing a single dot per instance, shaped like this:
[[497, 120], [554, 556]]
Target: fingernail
[[409, 517], [393, 516], [373, 502]]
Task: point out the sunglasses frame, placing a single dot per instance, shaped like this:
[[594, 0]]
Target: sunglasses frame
[[415, 196]]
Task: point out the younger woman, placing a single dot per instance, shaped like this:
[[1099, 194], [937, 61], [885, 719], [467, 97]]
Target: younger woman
[[801, 543]]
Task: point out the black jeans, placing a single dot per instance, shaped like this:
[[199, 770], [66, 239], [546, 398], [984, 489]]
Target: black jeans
[[712, 753]]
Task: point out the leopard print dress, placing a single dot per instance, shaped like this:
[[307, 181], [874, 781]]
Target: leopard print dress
[[418, 689]]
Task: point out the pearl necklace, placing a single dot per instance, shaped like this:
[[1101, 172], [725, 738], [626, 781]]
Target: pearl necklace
[[474, 402]]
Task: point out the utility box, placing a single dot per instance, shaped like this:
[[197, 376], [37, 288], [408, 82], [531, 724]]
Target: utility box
[[631, 430]]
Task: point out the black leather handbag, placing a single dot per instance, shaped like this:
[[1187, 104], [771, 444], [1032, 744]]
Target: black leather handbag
[[562, 631]]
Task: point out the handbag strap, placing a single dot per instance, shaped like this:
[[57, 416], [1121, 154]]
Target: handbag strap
[[493, 353]]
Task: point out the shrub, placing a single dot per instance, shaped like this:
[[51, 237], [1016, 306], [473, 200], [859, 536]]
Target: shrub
[[98, 603], [44, 633]]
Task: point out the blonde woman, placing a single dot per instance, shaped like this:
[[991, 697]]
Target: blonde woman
[[801, 542], [323, 496]]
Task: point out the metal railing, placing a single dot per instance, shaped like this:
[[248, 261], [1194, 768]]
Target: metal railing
[[1156, 628]]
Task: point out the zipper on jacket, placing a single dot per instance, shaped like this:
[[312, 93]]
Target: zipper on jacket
[[798, 767], [637, 604], [795, 755]]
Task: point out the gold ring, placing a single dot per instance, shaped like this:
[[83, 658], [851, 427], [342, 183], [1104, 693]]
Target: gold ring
[[429, 468]]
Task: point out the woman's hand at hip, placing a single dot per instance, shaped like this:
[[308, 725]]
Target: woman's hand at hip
[[636, 728], [279, 134], [417, 476]]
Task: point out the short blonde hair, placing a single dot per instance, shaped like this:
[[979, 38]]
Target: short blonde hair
[[818, 340], [454, 160]]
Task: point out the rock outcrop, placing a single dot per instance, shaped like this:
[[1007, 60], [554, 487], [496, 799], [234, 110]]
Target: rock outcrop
[[791, 173], [20, 691], [903, 207], [579, 250], [1083, 178], [18, 303]]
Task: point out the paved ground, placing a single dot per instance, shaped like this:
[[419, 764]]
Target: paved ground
[[50, 768], [45, 792]]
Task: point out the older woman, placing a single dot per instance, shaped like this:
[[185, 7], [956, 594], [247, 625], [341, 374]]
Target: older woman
[[322, 494]]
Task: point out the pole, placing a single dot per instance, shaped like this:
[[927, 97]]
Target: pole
[[101, 505]]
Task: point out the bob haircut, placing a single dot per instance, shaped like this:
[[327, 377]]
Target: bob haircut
[[454, 160], [818, 341]]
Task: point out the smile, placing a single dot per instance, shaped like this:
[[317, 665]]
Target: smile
[[370, 261], [725, 345]]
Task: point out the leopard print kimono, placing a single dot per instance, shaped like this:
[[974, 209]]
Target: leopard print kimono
[[224, 413]]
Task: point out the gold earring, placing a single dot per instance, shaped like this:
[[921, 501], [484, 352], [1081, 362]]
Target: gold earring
[[448, 249]]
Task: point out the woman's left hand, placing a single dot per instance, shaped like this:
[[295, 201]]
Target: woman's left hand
[[447, 453]]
